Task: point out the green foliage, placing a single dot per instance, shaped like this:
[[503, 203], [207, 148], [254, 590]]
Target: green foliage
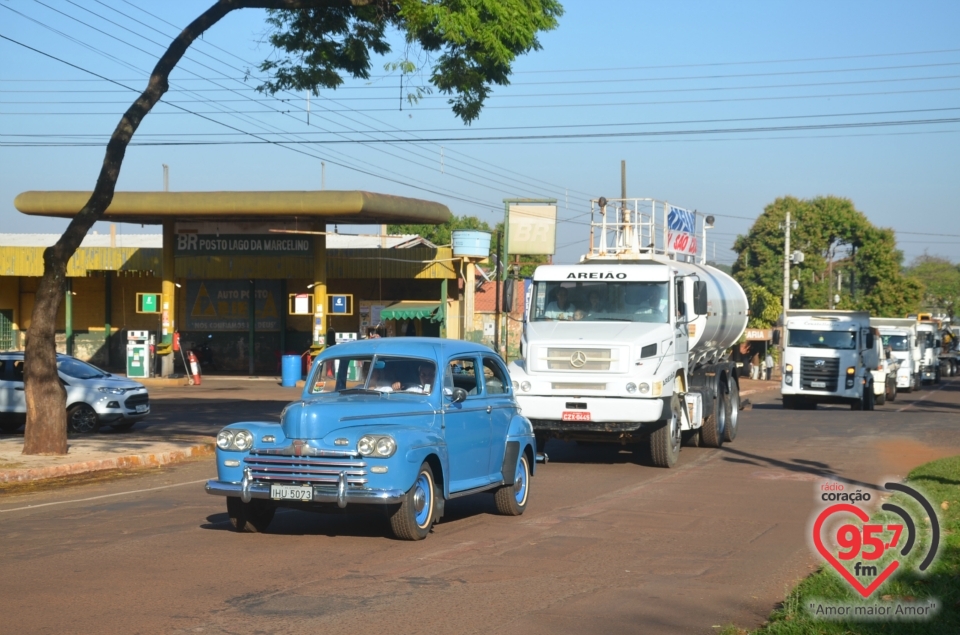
[[765, 307], [440, 234], [828, 229], [941, 281], [469, 45]]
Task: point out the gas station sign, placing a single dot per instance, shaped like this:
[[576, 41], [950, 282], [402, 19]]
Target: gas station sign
[[148, 303]]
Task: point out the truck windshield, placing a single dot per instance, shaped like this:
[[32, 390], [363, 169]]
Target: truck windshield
[[896, 342], [822, 339], [600, 302], [927, 339]]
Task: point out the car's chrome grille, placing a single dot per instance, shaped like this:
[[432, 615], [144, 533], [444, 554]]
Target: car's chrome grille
[[278, 468]]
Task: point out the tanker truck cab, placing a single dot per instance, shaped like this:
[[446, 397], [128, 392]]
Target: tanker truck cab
[[616, 349], [827, 358]]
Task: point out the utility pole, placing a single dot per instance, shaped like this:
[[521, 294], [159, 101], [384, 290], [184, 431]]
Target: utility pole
[[786, 265], [166, 177], [323, 175]]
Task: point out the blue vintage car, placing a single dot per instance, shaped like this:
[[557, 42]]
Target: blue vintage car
[[407, 423]]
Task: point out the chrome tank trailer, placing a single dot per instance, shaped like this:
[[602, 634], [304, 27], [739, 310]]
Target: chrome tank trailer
[[727, 313]]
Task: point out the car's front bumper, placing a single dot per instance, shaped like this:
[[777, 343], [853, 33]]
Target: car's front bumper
[[340, 494]]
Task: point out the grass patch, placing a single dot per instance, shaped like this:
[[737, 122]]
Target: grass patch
[[940, 481]]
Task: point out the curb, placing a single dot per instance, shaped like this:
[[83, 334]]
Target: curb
[[120, 462]]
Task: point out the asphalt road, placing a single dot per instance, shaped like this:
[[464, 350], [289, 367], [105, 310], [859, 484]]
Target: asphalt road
[[608, 544]]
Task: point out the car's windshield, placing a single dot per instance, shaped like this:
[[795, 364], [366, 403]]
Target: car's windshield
[[822, 339], [378, 373], [78, 370], [600, 301], [927, 339], [896, 342]]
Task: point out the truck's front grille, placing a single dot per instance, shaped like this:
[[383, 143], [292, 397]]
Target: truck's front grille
[[305, 469], [819, 373], [579, 358]]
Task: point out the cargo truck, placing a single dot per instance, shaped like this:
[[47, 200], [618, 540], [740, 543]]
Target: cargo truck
[[827, 359], [900, 336], [632, 343]]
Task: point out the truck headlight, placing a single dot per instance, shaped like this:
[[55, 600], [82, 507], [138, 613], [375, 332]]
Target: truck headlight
[[788, 379], [631, 387], [234, 440], [644, 388], [851, 370], [525, 386], [788, 368], [376, 445], [516, 386]]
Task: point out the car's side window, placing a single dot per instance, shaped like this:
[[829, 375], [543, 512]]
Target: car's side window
[[18, 371], [461, 373], [494, 378], [3, 370]]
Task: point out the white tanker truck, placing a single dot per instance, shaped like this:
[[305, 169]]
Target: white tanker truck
[[632, 343]]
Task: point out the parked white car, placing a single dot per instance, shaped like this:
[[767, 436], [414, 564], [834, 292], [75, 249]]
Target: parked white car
[[94, 396]]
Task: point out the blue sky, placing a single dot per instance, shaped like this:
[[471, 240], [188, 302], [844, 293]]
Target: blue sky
[[631, 69]]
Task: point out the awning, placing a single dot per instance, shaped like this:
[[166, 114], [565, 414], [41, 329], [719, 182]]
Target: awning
[[410, 309]]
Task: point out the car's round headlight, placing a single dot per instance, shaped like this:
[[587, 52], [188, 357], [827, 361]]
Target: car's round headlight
[[631, 387], [525, 386], [243, 440], [224, 439], [386, 447], [644, 388], [365, 445]]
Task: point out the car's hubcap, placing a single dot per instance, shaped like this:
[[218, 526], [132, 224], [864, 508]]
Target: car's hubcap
[[422, 504]]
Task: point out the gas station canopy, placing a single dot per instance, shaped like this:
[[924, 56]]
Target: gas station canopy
[[326, 206]]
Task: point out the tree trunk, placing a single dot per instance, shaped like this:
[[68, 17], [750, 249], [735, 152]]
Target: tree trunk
[[46, 428]]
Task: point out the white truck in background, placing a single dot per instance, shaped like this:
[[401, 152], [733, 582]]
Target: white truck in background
[[633, 342], [900, 336], [928, 333], [827, 358], [885, 374]]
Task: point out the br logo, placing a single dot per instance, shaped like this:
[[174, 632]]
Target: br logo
[[867, 549]]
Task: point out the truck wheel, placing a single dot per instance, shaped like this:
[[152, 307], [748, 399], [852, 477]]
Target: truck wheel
[[881, 399], [893, 392], [732, 404], [414, 517], [253, 517], [714, 426], [665, 440], [511, 500]]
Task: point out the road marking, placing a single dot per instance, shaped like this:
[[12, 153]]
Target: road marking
[[93, 498], [910, 405]]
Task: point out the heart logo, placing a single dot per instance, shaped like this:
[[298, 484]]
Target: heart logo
[[865, 591]]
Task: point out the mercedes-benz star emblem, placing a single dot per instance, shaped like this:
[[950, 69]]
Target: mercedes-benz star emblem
[[578, 359]]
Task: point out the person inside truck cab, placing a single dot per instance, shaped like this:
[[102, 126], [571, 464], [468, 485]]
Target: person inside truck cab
[[561, 308], [648, 300], [594, 305]]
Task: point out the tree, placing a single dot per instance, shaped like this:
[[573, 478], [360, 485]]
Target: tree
[[941, 281], [837, 241], [442, 234], [475, 41]]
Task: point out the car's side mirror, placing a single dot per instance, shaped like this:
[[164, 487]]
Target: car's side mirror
[[458, 395], [700, 297]]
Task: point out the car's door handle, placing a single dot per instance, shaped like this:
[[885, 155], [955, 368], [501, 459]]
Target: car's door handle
[[489, 409]]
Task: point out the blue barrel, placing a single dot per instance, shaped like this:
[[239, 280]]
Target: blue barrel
[[470, 243], [290, 366]]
